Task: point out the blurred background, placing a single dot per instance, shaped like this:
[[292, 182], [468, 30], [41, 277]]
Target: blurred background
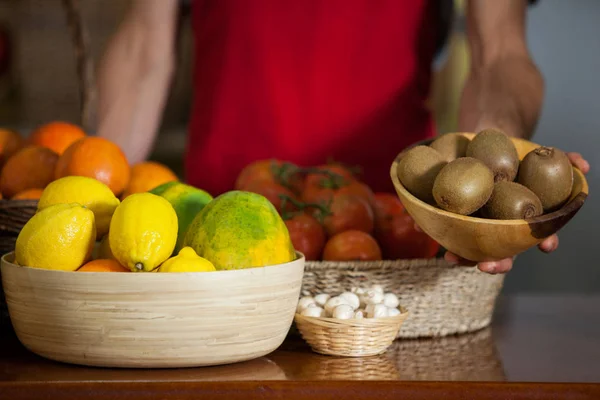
[[38, 84]]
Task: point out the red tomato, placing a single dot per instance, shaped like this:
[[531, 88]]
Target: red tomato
[[270, 170], [359, 189], [349, 212], [308, 236], [400, 240], [352, 246], [315, 194], [323, 179], [271, 191], [385, 207]]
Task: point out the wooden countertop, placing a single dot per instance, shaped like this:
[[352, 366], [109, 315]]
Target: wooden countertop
[[538, 347]]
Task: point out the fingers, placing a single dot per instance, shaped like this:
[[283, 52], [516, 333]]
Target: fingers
[[454, 259], [578, 161], [491, 267], [496, 267], [549, 244]]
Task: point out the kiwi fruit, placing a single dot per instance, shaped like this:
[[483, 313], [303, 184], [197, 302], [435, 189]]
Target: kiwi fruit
[[547, 172], [463, 186], [417, 170], [511, 200], [495, 149], [451, 146]]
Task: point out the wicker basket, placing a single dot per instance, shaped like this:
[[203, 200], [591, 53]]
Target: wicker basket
[[350, 337], [442, 299], [13, 215]]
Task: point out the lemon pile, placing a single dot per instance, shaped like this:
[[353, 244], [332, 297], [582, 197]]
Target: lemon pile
[[79, 218]]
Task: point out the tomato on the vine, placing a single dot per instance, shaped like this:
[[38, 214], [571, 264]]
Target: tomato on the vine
[[399, 239], [271, 170], [348, 212], [307, 235]]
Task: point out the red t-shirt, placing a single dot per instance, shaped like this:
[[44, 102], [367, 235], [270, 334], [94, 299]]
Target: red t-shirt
[[305, 81]]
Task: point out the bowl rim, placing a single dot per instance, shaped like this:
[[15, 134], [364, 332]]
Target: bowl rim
[[500, 222], [8, 260]]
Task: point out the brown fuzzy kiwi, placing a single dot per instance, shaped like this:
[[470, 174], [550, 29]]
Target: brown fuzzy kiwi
[[451, 146], [417, 170], [497, 151], [463, 186], [547, 172], [511, 200]]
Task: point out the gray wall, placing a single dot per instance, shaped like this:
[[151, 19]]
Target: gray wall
[[564, 37]]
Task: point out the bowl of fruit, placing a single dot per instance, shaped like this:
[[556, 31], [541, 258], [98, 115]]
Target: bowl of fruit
[[487, 196], [165, 278]]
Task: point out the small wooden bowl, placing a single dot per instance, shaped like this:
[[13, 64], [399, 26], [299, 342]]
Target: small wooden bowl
[[480, 239], [350, 337], [145, 320]]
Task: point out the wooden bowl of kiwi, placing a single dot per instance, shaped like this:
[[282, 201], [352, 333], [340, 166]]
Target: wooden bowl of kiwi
[[487, 196]]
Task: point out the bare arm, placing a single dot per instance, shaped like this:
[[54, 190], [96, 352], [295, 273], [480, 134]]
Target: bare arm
[[504, 88], [134, 76]]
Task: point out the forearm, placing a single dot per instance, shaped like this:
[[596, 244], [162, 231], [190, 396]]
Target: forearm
[[133, 82], [504, 89], [506, 95]]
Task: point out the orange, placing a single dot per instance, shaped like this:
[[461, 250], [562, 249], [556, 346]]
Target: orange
[[103, 265], [10, 143], [97, 158], [56, 136], [30, 168], [147, 175], [29, 194]]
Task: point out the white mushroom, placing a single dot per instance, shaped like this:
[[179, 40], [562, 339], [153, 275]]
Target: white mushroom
[[390, 300], [333, 303], [304, 302], [322, 298], [343, 311], [357, 291], [351, 299], [377, 311], [313, 310], [372, 297], [392, 312], [377, 288], [359, 314]]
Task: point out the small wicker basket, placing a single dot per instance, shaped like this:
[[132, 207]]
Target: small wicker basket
[[443, 299], [350, 337]]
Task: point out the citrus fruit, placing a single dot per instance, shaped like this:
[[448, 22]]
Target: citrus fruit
[[10, 143], [88, 192], [148, 175], [187, 201], [103, 265], [59, 237], [143, 231], [29, 194], [240, 230], [98, 158], [186, 261], [56, 136], [30, 168], [160, 189]]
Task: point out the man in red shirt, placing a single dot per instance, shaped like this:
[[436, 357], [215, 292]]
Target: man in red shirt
[[305, 80]]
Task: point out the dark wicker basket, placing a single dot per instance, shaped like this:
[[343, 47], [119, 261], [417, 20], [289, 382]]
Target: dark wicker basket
[[13, 215]]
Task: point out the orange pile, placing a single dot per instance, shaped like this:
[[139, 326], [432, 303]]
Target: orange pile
[[58, 149]]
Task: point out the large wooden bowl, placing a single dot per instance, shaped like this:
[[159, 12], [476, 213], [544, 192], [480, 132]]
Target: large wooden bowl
[[152, 320], [479, 239]]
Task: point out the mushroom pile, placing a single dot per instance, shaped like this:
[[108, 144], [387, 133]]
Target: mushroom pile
[[357, 303]]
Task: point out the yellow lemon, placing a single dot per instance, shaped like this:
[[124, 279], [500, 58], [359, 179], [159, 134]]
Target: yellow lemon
[[187, 261], [143, 231], [88, 192], [58, 237]]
